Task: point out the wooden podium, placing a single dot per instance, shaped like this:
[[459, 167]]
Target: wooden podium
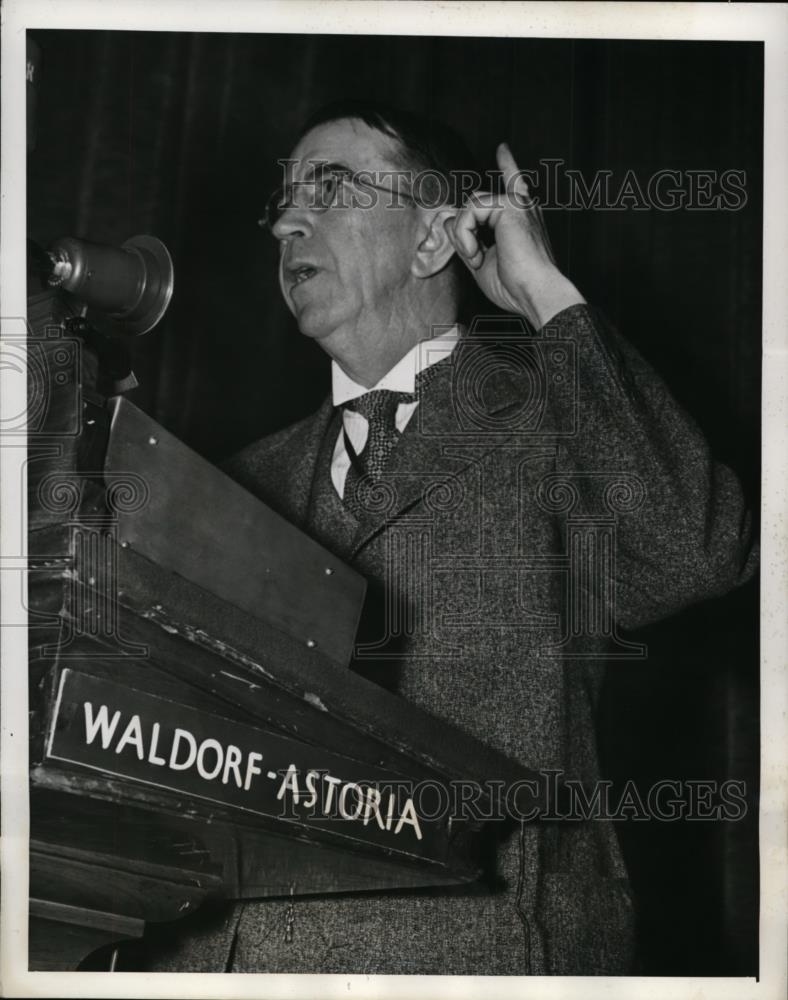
[[195, 730]]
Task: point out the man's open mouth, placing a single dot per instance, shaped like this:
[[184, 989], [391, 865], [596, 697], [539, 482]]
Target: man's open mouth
[[301, 274]]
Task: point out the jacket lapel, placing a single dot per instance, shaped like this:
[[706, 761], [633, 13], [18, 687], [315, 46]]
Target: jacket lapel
[[443, 439]]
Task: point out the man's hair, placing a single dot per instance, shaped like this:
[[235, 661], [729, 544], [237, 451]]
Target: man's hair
[[427, 146]]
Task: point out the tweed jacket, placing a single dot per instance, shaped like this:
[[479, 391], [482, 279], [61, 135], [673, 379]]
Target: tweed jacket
[[547, 495]]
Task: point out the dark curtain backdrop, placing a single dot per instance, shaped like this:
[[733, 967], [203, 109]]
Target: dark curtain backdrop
[[178, 135]]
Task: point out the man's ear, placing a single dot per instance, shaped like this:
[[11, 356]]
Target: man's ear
[[435, 249]]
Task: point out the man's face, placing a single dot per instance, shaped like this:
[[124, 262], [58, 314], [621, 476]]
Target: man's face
[[358, 294]]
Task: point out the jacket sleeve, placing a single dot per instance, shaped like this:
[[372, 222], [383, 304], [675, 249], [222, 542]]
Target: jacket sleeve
[[683, 532]]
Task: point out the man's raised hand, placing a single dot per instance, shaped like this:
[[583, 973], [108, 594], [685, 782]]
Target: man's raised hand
[[518, 272]]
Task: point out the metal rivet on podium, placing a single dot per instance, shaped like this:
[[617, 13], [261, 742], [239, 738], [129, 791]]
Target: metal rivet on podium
[[311, 643], [124, 545], [153, 440], [329, 571]]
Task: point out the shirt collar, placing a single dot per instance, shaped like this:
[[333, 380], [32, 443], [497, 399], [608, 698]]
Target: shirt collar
[[402, 377]]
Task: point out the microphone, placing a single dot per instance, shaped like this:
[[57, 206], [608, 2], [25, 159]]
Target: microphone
[[132, 283]]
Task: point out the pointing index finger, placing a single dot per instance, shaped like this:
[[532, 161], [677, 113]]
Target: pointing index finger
[[506, 160], [513, 178]]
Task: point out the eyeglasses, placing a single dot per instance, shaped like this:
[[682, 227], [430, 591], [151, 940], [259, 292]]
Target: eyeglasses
[[320, 193]]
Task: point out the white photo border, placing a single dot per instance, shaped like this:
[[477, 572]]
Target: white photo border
[[666, 21]]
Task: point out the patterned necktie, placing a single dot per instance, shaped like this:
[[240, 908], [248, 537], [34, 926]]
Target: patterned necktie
[[379, 407]]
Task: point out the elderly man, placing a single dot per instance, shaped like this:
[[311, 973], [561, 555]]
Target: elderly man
[[512, 501]]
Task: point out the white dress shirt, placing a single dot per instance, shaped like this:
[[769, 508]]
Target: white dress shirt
[[401, 378]]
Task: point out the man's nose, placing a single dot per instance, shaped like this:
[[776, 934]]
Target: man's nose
[[295, 220]]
